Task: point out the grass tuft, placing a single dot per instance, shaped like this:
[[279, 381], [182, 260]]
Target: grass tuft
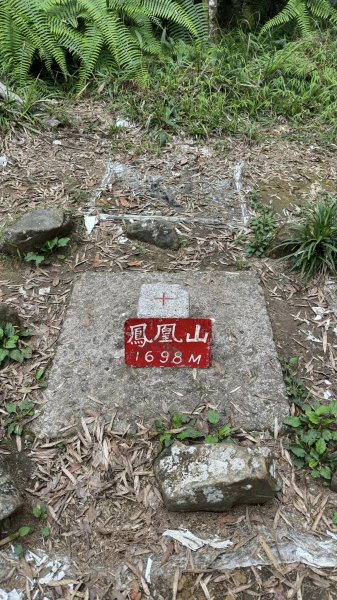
[[315, 242], [238, 85]]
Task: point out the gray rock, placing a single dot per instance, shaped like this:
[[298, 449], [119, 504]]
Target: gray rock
[[153, 232], [278, 248], [215, 477], [9, 496], [333, 484], [8, 314], [34, 229]]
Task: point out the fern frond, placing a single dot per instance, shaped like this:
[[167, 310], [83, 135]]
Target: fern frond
[[124, 30], [302, 12], [323, 10]]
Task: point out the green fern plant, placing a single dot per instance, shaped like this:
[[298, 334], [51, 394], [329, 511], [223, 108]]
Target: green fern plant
[[303, 12], [91, 33]]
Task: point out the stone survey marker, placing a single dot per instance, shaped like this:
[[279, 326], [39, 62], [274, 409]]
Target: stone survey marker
[[166, 342], [244, 380]]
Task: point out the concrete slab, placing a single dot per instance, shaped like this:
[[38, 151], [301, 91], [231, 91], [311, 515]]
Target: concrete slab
[[219, 198], [245, 380]]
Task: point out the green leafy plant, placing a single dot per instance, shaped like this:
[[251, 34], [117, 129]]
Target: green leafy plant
[[48, 248], [80, 35], [181, 428], [303, 13], [297, 392], [314, 245], [45, 532], [315, 438], [334, 518], [40, 511], [19, 415], [12, 345], [19, 550], [263, 227], [21, 533], [40, 378]]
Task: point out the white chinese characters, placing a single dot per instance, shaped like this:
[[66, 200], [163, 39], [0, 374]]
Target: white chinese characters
[[166, 333]]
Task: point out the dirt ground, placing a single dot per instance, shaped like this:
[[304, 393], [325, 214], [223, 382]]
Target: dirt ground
[[104, 510]]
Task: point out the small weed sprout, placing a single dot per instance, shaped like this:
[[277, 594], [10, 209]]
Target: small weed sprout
[[296, 391], [12, 346], [18, 416], [40, 511], [263, 227], [314, 245], [21, 533], [315, 439], [180, 428], [48, 248], [314, 431]]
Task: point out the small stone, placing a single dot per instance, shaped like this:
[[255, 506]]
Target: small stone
[[34, 229], [9, 496], [8, 314], [52, 123], [277, 248], [154, 232], [333, 484], [215, 477], [239, 577]]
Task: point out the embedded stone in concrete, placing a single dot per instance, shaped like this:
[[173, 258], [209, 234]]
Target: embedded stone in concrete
[[34, 229], [153, 232], [163, 300], [215, 477], [10, 500], [244, 381]]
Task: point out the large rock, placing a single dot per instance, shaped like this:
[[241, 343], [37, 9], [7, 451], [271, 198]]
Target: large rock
[[8, 314], [9, 496], [282, 244], [215, 477], [34, 229], [153, 232]]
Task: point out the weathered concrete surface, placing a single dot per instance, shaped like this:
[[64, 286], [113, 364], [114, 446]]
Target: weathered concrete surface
[[34, 229], [163, 300], [10, 500], [215, 477], [153, 232], [245, 381], [288, 544], [214, 195]]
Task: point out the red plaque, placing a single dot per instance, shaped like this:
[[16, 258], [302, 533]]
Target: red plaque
[[168, 343]]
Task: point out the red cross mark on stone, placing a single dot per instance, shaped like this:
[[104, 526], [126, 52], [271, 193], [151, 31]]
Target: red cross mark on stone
[[163, 298]]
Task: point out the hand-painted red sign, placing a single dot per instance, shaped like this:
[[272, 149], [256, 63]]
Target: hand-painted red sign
[[168, 343]]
